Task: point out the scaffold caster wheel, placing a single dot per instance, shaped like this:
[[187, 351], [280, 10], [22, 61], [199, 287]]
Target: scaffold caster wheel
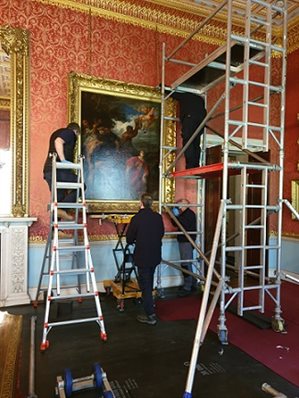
[[98, 375], [103, 336], [278, 325], [222, 335], [44, 345], [68, 382], [121, 305]]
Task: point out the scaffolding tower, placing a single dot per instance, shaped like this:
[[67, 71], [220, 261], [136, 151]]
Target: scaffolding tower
[[247, 235]]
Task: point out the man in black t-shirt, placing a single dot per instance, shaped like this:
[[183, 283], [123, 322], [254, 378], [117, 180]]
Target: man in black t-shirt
[[62, 142], [187, 218], [192, 113]]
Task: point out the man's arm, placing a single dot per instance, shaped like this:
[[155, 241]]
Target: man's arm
[[131, 232], [59, 142]]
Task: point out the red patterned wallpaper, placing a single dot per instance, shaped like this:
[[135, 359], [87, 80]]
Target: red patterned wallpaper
[[60, 42]]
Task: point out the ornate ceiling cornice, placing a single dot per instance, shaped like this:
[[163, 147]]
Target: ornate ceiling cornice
[[177, 17]]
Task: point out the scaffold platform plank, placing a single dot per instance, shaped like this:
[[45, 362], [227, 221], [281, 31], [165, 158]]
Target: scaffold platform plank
[[208, 171]]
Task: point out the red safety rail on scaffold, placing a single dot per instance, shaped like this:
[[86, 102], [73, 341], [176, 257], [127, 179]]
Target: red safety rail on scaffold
[[208, 171]]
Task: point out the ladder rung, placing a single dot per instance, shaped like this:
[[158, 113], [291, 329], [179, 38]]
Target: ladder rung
[[259, 21], [72, 322], [258, 63], [172, 148], [71, 248], [255, 186], [254, 83], [242, 39], [265, 44], [257, 44], [65, 205], [69, 185], [175, 119], [257, 104], [254, 226], [265, 4], [71, 271], [240, 207], [240, 248], [253, 307], [252, 267], [70, 225], [72, 296], [68, 166]]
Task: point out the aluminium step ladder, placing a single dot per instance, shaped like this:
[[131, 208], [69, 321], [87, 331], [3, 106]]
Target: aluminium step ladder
[[58, 253]]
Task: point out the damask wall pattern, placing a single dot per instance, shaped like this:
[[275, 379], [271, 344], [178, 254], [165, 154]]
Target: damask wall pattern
[[64, 40]]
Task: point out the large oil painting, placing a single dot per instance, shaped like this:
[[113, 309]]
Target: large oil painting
[[120, 141]]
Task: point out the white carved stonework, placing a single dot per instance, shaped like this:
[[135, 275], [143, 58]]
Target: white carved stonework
[[14, 261]]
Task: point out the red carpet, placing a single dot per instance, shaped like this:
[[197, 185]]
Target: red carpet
[[277, 351]]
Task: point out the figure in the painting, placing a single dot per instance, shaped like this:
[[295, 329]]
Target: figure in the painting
[[137, 172], [127, 147], [105, 160], [146, 118]]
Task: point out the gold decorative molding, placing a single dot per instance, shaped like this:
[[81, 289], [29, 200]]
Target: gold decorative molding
[[4, 103], [147, 17], [178, 18], [15, 42], [10, 338], [37, 239], [295, 195]]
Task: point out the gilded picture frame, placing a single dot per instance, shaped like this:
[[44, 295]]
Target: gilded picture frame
[[121, 142], [295, 196], [15, 43]]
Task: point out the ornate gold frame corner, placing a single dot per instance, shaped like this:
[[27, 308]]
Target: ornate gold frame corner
[[82, 82], [15, 42]]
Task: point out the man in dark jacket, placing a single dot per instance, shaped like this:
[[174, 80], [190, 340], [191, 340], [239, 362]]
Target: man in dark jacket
[[187, 218], [146, 230], [192, 113]]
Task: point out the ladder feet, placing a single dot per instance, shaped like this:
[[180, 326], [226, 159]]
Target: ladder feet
[[278, 325], [44, 345], [35, 303], [104, 336], [222, 335], [121, 305]]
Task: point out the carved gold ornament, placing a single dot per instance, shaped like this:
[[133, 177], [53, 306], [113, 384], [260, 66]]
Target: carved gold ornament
[[14, 42]]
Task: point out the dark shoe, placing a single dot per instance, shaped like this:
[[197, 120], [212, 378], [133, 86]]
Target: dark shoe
[[184, 293], [149, 319]]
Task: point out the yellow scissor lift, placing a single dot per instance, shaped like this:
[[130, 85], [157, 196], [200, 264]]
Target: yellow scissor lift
[[249, 47]]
